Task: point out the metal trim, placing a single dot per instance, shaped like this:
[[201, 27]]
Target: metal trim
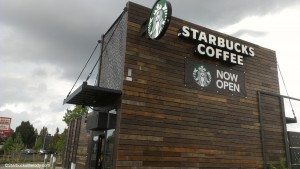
[[286, 142], [262, 130], [279, 95], [119, 17], [100, 62]]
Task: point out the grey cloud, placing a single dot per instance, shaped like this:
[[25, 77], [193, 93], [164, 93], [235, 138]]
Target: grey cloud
[[216, 14], [14, 92], [63, 34], [241, 32], [37, 108], [40, 72], [59, 32], [56, 106], [20, 90]]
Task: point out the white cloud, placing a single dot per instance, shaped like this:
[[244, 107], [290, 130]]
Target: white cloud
[[44, 90], [282, 35]]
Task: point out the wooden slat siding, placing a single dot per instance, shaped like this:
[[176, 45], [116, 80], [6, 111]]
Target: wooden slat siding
[[73, 142], [68, 150], [167, 125], [274, 141], [76, 144], [65, 151], [76, 139], [82, 145]]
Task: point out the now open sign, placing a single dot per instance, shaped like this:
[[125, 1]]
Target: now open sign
[[214, 78]]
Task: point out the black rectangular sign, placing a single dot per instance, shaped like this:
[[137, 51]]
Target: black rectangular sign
[[214, 78]]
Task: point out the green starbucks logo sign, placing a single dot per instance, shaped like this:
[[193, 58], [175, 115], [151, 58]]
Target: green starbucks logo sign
[[202, 76], [159, 19]]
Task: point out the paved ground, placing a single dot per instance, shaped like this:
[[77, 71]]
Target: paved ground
[[24, 167]]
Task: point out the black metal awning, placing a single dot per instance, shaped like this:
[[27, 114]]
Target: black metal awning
[[94, 96], [290, 120]]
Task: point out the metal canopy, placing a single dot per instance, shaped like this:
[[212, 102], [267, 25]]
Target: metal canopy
[[94, 96], [290, 120]]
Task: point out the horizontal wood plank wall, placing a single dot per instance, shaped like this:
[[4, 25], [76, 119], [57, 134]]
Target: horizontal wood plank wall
[[83, 140], [273, 140], [167, 125], [68, 146]]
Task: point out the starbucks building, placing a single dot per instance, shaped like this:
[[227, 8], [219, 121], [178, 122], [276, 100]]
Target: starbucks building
[[172, 94]]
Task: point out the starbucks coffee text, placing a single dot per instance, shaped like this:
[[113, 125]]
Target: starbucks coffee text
[[217, 47]]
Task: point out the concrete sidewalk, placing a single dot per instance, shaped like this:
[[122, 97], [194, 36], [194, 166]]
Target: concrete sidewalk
[[25, 168], [2, 166]]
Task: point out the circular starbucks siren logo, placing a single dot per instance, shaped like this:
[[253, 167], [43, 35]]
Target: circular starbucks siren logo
[[202, 76], [159, 19]]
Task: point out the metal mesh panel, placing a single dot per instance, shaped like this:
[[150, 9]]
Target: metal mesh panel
[[295, 166], [112, 67], [294, 139], [295, 155]]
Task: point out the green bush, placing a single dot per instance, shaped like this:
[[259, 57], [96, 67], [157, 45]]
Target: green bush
[[279, 165]]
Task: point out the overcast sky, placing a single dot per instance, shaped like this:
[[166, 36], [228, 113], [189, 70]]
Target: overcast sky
[[44, 45]]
